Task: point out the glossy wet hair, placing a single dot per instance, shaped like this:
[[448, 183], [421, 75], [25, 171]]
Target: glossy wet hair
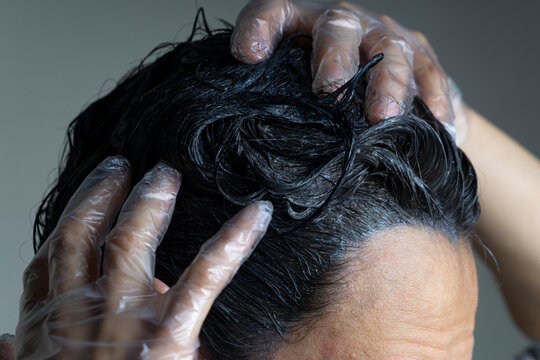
[[240, 133]]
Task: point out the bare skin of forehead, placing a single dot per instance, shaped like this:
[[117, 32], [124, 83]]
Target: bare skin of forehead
[[408, 294]]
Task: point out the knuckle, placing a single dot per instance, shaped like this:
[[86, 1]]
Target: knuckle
[[30, 274], [65, 242], [393, 41], [430, 69], [433, 69], [74, 231], [122, 240], [199, 279]]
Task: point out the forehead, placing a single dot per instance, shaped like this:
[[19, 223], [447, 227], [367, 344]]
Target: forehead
[[407, 294]]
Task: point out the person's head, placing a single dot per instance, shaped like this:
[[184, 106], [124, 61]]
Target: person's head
[[367, 254]]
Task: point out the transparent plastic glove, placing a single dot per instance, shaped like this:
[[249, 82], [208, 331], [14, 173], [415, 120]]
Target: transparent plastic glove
[[6, 347], [344, 35], [69, 311]]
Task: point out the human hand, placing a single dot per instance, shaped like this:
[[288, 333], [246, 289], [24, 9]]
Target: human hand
[[69, 311], [345, 35], [6, 347]]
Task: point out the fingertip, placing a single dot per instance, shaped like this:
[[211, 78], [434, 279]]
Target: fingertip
[[164, 176], [156, 193], [249, 51], [169, 169], [115, 162], [259, 28], [251, 40], [441, 108], [113, 171], [255, 216], [265, 205], [267, 209]]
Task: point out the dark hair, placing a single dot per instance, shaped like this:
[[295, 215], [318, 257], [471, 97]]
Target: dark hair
[[240, 133]]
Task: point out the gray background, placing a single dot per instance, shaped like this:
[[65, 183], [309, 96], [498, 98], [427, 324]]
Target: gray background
[[58, 56]]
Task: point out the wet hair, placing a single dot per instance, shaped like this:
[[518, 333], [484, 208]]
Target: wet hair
[[240, 133]]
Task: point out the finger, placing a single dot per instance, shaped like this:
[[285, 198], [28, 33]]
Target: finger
[[336, 49], [130, 247], [424, 43], [432, 86], [391, 88], [218, 260], [160, 286], [73, 254], [259, 28]]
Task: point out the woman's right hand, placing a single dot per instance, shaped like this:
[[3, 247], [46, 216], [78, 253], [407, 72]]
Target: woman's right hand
[[69, 311], [345, 35]]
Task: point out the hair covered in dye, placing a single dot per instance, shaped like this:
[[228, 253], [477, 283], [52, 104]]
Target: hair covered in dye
[[240, 133]]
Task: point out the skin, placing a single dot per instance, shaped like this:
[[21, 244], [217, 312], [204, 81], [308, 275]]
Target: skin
[[414, 297], [509, 188]]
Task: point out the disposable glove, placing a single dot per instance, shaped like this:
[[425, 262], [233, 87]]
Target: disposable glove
[[69, 311], [344, 35]]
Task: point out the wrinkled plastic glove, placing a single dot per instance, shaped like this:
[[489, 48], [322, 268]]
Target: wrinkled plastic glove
[[69, 311], [6, 347], [344, 35]]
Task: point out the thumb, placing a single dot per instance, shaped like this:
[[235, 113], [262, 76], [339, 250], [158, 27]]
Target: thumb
[[160, 286]]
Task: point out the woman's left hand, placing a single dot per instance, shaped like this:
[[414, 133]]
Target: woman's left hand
[[73, 307]]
